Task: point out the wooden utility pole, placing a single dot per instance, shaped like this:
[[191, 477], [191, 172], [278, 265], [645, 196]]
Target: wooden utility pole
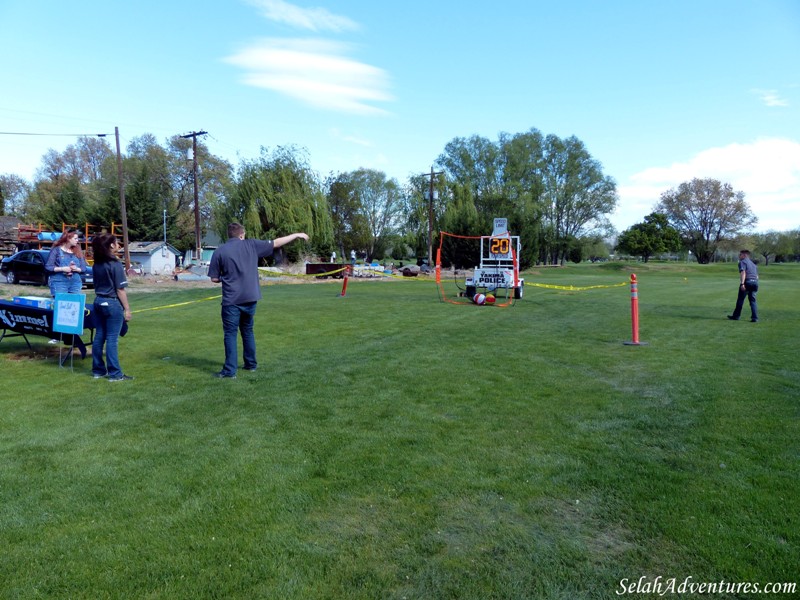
[[122, 209], [430, 219], [197, 234]]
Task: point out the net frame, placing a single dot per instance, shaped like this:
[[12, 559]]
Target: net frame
[[510, 300]]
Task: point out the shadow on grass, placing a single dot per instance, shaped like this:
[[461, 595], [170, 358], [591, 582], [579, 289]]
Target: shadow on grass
[[201, 364]]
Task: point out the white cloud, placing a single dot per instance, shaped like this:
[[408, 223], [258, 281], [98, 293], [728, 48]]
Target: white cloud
[[771, 98], [767, 171], [312, 19], [350, 139], [316, 72]]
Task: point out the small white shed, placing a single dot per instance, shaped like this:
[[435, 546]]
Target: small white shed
[[157, 258]]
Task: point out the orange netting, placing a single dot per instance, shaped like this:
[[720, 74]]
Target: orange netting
[[462, 299]]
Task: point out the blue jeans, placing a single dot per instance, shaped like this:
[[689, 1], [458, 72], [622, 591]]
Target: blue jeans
[[750, 290], [108, 318], [239, 318], [61, 283]]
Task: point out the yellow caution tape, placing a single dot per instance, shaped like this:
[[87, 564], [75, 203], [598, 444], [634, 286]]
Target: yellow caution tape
[[573, 288], [177, 304], [269, 271]]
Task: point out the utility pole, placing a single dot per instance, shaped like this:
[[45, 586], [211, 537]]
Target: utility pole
[[430, 219], [198, 248], [124, 213]]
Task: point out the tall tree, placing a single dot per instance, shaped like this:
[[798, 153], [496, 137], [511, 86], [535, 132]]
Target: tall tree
[[87, 157], [461, 219], [706, 211], [651, 237], [421, 213], [381, 201], [522, 156], [158, 178], [350, 228], [551, 190], [148, 190], [215, 183], [577, 194], [277, 194], [475, 162], [794, 243], [13, 190], [59, 203], [375, 206], [772, 243]]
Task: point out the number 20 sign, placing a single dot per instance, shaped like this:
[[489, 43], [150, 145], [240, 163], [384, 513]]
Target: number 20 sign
[[500, 245]]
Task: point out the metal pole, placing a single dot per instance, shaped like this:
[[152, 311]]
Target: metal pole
[[430, 217], [123, 211], [198, 243], [430, 223]]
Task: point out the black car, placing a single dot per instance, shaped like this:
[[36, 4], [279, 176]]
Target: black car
[[28, 266]]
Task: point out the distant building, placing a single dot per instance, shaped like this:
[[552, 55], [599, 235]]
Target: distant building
[[156, 258]]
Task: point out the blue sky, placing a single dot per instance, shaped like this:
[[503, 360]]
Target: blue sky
[[660, 92]]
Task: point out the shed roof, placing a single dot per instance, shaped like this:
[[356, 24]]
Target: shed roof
[[149, 248]]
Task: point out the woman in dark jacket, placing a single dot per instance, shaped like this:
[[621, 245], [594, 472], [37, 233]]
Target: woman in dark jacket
[[111, 309]]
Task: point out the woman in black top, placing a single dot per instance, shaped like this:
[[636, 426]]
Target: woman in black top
[[111, 308]]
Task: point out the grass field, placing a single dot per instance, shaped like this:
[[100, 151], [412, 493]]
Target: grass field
[[394, 446]]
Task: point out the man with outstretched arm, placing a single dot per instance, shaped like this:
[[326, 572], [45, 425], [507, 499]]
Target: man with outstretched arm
[[235, 266]]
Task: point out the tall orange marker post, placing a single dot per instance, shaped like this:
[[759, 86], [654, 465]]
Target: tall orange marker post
[[635, 314], [344, 285]]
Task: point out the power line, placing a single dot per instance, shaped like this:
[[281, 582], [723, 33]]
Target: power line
[[57, 134]]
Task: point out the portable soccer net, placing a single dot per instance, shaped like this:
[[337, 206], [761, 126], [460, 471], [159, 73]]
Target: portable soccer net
[[458, 280]]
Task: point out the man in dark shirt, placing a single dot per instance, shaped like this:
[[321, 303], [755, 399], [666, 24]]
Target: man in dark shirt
[[748, 287], [235, 266]]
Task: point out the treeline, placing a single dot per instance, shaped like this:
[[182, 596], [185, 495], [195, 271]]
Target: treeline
[[707, 219], [553, 192]]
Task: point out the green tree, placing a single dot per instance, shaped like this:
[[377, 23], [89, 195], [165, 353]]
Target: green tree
[[596, 248], [420, 213], [86, 157], [350, 228], [653, 236], [577, 195], [57, 203], [551, 190], [13, 190], [475, 162], [216, 187], [158, 178], [366, 211], [522, 156], [381, 201], [772, 243], [794, 244], [278, 194], [147, 188], [54, 187], [705, 212], [461, 218]]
